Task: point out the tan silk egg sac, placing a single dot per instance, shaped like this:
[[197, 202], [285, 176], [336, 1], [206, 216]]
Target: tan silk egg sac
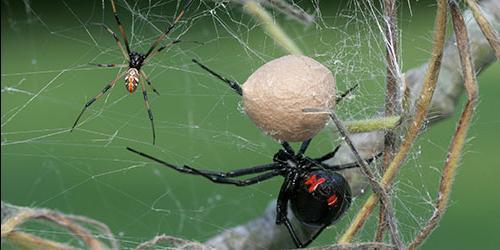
[[276, 93]]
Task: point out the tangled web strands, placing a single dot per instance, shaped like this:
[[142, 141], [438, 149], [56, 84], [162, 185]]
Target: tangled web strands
[[197, 119]]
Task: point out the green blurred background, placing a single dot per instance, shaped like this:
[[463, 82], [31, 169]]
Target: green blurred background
[[46, 79]]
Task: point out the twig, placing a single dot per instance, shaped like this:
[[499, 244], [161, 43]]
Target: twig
[[393, 81], [99, 225], [272, 28], [458, 141], [14, 216], [77, 230], [485, 26], [292, 11], [379, 190], [392, 96], [368, 125], [29, 241], [414, 127]]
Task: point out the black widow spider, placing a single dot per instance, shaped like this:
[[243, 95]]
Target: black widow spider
[[135, 60], [317, 193]]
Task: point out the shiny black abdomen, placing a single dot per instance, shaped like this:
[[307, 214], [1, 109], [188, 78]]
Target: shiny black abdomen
[[310, 202]]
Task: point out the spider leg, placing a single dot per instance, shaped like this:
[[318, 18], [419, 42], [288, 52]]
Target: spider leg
[[347, 92], [150, 113], [149, 82], [167, 45], [176, 41], [304, 146], [95, 98], [116, 39], [120, 27], [288, 148], [328, 155], [169, 28], [311, 239], [245, 171], [109, 65], [282, 208], [162, 48], [232, 84], [188, 170], [245, 182]]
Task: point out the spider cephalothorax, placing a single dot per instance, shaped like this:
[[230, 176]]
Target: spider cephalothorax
[[136, 60]]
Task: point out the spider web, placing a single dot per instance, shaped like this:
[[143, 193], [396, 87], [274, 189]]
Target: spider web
[[46, 79]]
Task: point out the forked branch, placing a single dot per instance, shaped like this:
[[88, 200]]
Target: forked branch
[[458, 141], [490, 34]]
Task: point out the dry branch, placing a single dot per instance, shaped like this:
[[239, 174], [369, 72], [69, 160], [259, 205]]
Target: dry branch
[[13, 217], [458, 141], [486, 28], [271, 27]]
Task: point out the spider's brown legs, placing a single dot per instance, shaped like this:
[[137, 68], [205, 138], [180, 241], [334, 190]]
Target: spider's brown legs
[[150, 113], [169, 28], [116, 39], [149, 82], [109, 65], [95, 98], [233, 84], [167, 46], [162, 48], [120, 26], [176, 41]]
